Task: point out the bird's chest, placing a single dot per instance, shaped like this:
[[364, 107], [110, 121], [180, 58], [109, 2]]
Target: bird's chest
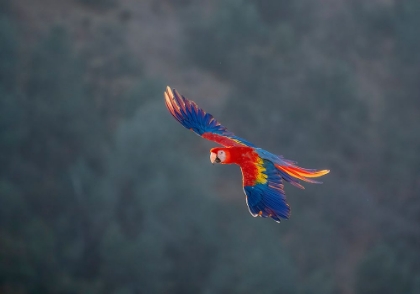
[[249, 174], [251, 169]]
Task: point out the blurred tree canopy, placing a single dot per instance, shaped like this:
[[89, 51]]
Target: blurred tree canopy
[[102, 192], [307, 93]]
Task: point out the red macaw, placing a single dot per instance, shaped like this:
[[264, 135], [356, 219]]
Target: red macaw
[[262, 172]]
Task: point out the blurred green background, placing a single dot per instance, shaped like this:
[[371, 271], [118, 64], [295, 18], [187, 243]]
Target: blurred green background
[[102, 191]]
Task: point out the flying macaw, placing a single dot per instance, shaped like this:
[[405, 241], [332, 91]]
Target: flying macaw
[[262, 172]]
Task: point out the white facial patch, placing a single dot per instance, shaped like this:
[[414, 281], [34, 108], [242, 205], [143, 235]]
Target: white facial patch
[[221, 155]]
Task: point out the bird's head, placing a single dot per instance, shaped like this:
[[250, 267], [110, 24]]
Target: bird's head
[[219, 155]]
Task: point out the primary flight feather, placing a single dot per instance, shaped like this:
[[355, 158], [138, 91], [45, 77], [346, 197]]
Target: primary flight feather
[[262, 172]]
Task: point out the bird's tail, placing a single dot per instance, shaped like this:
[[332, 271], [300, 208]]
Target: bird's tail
[[291, 173]]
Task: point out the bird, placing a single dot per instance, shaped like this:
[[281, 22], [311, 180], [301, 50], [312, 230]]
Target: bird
[[263, 173]]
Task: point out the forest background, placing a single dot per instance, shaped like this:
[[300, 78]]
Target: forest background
[[101, 191]]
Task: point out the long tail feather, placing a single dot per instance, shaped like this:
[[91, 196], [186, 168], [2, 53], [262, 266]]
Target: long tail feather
[[292, 172]]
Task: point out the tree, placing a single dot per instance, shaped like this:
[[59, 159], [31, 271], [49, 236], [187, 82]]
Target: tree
[[388, 269]]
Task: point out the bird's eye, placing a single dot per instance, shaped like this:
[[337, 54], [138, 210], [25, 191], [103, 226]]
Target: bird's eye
[[221, 155]]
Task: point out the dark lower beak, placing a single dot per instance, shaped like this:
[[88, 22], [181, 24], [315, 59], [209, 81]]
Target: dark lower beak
[[217, 160]]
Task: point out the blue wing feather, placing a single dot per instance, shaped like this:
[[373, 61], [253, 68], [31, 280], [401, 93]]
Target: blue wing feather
[[269, 199], [289, 170], [196, 119]]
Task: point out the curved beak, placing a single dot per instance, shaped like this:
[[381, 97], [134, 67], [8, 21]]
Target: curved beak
[[214, 158]]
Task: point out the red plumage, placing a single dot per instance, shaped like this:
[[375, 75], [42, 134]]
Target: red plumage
[[262, 172]]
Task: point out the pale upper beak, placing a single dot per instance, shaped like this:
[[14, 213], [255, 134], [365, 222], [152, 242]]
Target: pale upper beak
[[214, 158]]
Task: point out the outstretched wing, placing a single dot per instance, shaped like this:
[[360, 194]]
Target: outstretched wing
[[263, 175], [203, 124], [263, 186]]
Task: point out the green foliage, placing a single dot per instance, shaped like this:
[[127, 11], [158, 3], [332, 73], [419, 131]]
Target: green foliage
[[46, 125], [158, 218], [8, 54], [4, 7], [275, 11], [389, 269], [11, 129], [60, 124], [245, 41], [231, 39], [55, 92], [287, 12], [141, 94], [102, 192], [264, 263], [110, 69], [107, 55], [100, 3], [172, 247], [406, 22], [297, 92]]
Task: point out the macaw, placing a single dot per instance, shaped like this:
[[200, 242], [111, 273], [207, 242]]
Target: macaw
[[262, 172]]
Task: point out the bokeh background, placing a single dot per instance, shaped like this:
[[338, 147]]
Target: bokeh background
[[102, 191]]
